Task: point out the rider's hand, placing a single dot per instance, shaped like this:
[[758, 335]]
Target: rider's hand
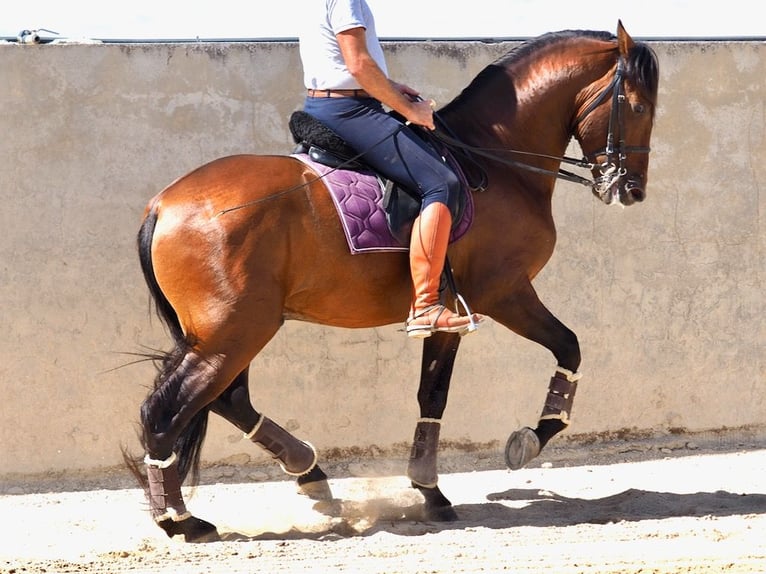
[[421, 112], [411, 93]]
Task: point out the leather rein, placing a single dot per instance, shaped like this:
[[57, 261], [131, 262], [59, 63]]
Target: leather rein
[[615, 155]]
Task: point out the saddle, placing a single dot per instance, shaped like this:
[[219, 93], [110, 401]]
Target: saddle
[[401, 205]]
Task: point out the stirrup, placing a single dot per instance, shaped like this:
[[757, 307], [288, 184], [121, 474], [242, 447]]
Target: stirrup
[[423, 330]]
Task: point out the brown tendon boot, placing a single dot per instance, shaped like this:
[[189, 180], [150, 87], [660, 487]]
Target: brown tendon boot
[[165, 498], [296, 457], [428, 249]]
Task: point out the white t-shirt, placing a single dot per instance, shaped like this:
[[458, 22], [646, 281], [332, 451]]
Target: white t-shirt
[[323, 66]]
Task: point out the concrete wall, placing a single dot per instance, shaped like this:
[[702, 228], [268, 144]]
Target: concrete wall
[[666, 297]]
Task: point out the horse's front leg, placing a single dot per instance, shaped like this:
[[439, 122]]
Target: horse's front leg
[[439, 351], [528, 317], [296, 457]]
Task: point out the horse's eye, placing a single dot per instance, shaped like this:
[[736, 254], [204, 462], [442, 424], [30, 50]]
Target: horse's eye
[[638, 108]]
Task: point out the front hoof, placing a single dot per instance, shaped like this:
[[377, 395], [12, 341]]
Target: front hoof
[[192, 529], [437, 507], [522, 446]]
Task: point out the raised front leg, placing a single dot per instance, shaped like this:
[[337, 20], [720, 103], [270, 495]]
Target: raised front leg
[[527, 316], [525, 444], [439, 353]]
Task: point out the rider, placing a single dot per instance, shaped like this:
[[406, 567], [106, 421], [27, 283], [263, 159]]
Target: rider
[[347, 81]]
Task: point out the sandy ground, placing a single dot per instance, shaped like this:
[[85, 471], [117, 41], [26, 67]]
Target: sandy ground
[[648, 508]]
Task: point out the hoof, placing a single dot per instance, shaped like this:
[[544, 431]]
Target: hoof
[[192, 529], [314, 485], [522, 446], [318, 490], [437, 507]]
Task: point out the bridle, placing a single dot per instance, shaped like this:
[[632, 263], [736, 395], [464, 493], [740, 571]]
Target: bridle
[[614, 165], [612, 168]]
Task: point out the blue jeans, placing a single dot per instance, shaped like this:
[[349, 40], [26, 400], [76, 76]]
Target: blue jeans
[[389, 146]]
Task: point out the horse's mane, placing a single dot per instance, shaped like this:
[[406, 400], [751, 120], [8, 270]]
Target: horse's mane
[[641, 64], [525, 49]]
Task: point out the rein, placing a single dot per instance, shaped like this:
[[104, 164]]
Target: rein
[[616, 118], [492, 153]]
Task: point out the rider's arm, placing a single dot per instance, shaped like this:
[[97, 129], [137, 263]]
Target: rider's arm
[[362, 66]]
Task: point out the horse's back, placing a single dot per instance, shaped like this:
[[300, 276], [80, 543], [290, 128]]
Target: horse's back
[[240, 195], [226, 179], [262, 230]]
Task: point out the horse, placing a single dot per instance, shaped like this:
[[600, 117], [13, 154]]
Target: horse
[[243, 243]]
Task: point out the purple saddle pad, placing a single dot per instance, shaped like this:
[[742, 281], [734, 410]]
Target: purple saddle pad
[[358, 197]]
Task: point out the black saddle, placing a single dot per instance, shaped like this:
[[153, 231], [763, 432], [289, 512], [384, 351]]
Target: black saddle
[[322, 144]]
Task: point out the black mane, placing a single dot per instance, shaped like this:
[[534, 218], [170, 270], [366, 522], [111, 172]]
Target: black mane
[[535, 44], [641, 64]]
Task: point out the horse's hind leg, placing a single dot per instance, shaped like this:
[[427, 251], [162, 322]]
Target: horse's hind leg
[[297, 458], [174, 422], [439, 353]]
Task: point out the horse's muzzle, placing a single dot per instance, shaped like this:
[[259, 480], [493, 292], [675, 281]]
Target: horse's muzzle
[[616, 189]]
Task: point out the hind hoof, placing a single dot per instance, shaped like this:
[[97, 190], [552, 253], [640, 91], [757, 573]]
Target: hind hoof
[[436, 507], [193, 529], [522, 447]]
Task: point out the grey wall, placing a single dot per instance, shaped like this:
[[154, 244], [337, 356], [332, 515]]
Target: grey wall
[[666, 297]]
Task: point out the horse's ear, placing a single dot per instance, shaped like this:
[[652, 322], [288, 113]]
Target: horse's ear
[[623, 39]]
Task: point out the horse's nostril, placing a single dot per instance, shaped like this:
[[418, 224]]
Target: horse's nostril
[[638, 194]]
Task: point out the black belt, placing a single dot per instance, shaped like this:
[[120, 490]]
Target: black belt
[[338, 94]]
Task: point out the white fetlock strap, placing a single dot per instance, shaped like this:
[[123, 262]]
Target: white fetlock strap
[[430, 420], [160, 463], [172, 514], [311, 466], [571, 376]]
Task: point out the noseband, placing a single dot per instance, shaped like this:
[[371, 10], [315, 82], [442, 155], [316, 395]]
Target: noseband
[[614, 166]]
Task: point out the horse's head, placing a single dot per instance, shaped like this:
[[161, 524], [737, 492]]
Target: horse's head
[[614, 123]]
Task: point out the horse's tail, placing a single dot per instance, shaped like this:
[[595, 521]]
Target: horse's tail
[[162, 306], [188, 445]]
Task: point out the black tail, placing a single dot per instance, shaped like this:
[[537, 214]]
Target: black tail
[[164, 310], [188, 446]]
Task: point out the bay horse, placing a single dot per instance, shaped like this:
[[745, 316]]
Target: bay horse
[[224, 280]]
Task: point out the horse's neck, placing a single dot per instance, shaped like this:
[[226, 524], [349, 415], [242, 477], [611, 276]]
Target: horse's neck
[[530, 106]]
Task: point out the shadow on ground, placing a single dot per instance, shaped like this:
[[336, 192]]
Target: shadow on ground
[[531, 507]]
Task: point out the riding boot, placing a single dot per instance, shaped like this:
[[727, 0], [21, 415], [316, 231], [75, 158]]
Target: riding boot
[[428, 250]]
